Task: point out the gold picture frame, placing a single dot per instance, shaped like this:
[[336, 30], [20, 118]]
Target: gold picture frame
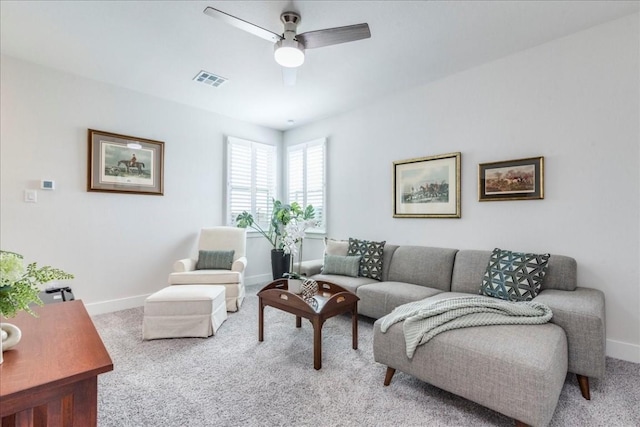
[[125, 164], [520, 179], [427, 187]]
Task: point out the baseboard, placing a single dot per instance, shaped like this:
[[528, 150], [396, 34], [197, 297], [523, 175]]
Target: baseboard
[[623, 350], [115, 305], [256, 280], [138, 300]]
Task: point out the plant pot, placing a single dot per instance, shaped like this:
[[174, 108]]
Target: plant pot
[[280, 263], [295, 286]]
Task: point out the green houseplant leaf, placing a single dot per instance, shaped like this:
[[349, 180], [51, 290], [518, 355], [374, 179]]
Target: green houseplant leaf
[[281, 215], [19, 287]]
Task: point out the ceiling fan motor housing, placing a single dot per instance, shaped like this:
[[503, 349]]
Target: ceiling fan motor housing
[[289, 52]]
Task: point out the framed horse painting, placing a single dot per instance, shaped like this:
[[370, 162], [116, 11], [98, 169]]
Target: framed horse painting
[[125, 164], [427, 187], [521, 179]]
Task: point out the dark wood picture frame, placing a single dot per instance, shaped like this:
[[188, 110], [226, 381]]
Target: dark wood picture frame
[[521, 179], [427, 187], [125, 164]]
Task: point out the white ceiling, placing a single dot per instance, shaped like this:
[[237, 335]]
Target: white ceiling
[[158, 47]]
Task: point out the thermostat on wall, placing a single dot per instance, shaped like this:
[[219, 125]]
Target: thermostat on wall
[[47, 184]]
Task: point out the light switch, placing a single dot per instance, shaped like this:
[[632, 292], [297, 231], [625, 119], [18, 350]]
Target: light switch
[[30, 196]]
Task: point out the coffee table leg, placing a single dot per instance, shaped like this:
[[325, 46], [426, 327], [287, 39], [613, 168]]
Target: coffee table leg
[[317, 344], [261, 322], [354, 328], [298, 322]]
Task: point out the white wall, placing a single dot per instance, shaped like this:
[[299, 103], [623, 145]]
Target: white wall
[[119, 246], [574, 101]]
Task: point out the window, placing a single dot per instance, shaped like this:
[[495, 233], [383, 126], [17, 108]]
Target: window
[[251, 180], [306, 178]]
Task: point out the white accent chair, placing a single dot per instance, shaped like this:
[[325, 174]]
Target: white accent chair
[[217, 239]]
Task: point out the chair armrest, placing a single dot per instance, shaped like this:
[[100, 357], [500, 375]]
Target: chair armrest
[[240, 264], [183, 265], [311, 267], [581, 314]]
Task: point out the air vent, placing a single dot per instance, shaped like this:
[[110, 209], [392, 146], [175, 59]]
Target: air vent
[[209, 79]]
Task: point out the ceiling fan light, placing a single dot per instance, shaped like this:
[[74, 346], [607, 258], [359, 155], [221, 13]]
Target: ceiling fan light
[[289, 53]]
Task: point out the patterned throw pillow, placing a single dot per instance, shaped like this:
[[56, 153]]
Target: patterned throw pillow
[[371, 257], [215, 260], [514, 276], [343, 265]]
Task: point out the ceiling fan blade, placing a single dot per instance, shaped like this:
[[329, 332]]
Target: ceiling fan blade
[[289, 76], [243, 25], [329, 36]]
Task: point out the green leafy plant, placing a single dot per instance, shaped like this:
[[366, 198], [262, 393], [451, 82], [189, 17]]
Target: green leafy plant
[[19, 286], [281, 215]]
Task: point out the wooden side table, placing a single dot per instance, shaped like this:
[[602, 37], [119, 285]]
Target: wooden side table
[[50, 378], [331, 300]]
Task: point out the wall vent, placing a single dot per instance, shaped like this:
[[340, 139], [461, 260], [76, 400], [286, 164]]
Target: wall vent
[[209, 79]]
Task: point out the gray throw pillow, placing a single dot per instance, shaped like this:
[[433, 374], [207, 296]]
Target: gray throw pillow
[[371, 254], [215, 260], [343, 265], [514, 276]]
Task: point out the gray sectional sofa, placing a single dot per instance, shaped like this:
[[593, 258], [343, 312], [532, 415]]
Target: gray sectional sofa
[[517, 370]]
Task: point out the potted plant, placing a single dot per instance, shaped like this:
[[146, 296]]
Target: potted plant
[[281, 215], [19, 289]]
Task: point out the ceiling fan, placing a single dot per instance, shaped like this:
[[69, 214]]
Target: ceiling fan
[[289, 47]]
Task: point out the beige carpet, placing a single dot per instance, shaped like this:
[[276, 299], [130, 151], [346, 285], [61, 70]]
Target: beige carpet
[[233, 380]]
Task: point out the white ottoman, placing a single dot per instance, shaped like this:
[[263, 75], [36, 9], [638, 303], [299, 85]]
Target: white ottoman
[[184, 311]]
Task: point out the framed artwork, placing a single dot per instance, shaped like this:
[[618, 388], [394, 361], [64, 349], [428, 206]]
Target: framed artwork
[[427, 187], [125, 164], [521, 179]]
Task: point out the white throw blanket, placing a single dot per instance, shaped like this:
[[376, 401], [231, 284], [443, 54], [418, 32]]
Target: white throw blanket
[[424, 320]]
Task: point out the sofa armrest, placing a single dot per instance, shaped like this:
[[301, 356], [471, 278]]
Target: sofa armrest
[[581, 314], [239, 265], [311, 267], [183, 265]]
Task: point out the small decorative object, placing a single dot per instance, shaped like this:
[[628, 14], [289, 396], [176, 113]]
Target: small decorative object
[[309, 289], [9, 336], [427, 187], [125, 164], [18, 289], [521, 179]]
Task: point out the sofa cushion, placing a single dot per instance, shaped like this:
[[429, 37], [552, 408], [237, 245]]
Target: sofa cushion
[[423, 265], [349, 283], [344, 265], [336, 247], [514, 276], [371, 254], [214, 260], [379, 299], [562, 273], [468, 270], [471, 265]]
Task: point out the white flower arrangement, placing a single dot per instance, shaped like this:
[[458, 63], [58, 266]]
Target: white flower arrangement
[[294, 234]]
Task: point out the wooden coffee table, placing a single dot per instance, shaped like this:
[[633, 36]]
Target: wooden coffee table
[[331, 299]]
